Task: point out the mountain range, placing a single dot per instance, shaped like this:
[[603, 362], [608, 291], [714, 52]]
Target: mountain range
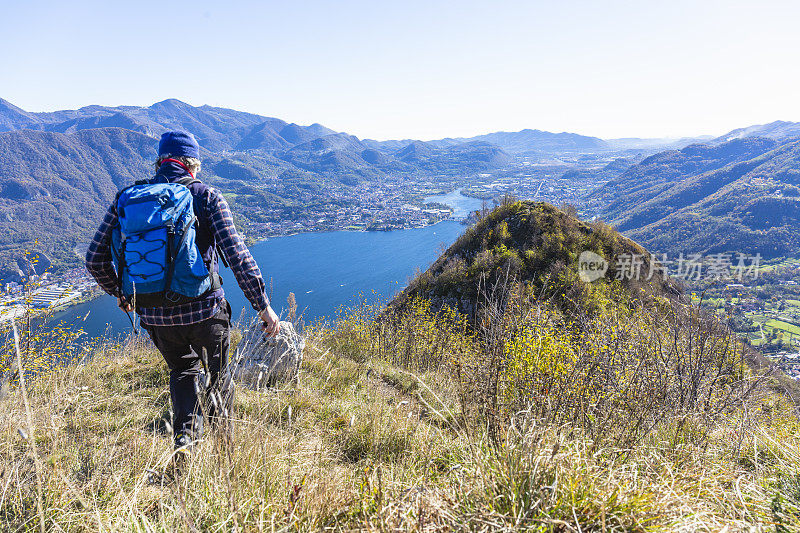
[[54, 186], [220, 132], [524, 142], [59, 170], [216, 129]]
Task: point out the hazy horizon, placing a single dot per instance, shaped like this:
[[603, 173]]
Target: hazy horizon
[[420, 70]]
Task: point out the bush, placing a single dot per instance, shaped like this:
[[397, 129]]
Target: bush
[[630, 369]]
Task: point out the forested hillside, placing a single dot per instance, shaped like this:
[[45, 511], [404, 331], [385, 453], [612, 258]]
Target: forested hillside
[[780, 130], [741, 195]]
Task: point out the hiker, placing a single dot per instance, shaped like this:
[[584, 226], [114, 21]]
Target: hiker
[[157, 251]]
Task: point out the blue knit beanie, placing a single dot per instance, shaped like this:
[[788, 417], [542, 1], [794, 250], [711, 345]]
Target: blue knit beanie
[[179, 143]]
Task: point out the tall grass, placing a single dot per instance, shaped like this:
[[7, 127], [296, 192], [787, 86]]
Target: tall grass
[[647, 387], [420, 421]]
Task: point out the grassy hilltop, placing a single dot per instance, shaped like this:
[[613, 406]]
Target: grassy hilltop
[[538, 246], [552, 405]]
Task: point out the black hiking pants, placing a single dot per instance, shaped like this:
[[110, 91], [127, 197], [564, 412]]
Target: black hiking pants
[[182, 347]]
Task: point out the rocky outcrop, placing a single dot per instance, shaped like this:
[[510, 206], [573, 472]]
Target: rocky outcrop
[[266, 362]]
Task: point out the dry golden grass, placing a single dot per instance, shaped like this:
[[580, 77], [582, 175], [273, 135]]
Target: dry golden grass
[[359, 444]]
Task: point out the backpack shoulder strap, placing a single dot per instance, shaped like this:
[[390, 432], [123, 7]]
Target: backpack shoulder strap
[[210, 192], [187, 180], [205, 199]]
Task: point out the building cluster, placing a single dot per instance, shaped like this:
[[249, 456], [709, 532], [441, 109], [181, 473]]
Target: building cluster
[[789, 363], [371, 207], [543, 184], [45, 292]]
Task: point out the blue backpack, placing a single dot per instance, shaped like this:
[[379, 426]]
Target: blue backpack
[[153, 246]]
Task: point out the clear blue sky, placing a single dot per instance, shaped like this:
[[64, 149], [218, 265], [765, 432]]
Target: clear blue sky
[[418, 69]]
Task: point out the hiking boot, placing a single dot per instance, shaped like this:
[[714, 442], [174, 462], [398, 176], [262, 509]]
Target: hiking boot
[[181, 457]]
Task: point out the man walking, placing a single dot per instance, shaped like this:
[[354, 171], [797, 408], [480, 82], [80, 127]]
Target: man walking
[[185, 329]]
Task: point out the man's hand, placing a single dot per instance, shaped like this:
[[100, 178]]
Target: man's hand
[[270, 321], [124, 304]]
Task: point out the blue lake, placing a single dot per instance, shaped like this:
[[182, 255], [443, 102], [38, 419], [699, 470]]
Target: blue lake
[[325, 271], [462, 205]]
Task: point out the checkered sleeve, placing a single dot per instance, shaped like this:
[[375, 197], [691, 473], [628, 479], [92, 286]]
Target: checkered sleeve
[[231, 245], [98, 256]]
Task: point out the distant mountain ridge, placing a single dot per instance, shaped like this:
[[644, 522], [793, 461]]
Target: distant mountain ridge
[[524, 142], [520, 142], [739, 196], [216, 128], [779, 130], [313, 148], [227, 129]]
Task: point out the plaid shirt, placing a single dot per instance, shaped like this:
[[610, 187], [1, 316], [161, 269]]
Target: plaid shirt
[[248, 276]]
